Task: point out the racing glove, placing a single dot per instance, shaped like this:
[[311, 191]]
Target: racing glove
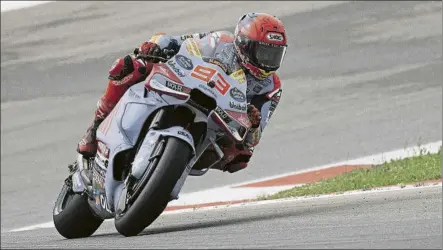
[[254, 116], [254, 134], [238, 155], [149, 52], [156, 52]]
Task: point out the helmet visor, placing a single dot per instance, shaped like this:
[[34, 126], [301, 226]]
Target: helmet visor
[[266, 56]]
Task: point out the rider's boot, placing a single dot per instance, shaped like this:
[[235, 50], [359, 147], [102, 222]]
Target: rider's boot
[[88, 144]]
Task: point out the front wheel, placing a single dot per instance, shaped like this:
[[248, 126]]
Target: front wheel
[[155, 195], [72, 215]]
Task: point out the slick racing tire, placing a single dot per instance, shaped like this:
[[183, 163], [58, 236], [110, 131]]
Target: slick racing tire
[[72, 215], [155, 194]]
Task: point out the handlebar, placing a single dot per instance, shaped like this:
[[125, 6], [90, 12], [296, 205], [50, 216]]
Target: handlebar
[[161, 59], [147, 57]]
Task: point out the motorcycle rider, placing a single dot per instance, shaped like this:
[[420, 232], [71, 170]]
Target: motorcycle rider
[[257, 47]]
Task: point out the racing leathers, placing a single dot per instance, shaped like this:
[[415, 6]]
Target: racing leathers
[[262, 95]]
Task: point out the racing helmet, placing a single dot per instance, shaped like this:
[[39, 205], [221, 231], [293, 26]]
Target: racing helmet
[[260, 42]]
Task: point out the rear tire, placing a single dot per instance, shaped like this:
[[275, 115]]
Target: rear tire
[[155, 195], [72, 215]]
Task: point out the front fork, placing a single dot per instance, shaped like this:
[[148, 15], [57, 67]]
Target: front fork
[[196, 172]]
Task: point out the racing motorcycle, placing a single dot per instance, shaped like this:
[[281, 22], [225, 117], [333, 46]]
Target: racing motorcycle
[[151, 142]]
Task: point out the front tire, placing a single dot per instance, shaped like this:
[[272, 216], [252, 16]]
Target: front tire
[[72, 215], [155, 195]]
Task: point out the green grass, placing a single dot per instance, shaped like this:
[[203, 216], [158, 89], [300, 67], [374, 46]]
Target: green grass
[[423, 167]]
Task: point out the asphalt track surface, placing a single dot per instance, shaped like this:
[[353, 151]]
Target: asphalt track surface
[[394, 219], [359, 78]]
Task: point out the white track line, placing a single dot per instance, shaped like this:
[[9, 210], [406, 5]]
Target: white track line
[[265, 202], [323, 196], [226, 193]]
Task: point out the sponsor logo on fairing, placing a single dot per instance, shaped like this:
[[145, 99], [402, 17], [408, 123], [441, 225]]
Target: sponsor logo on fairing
[[185, 135], [184, 62], [238, 106], [205, 87], [218, 63], [178, 71], [222, 114], [177, 87], [237, 95]]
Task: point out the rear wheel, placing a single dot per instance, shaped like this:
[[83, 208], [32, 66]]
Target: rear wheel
[[155, 193], [72, 215]]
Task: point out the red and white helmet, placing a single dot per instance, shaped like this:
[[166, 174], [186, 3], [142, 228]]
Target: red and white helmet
[[261, 42]]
